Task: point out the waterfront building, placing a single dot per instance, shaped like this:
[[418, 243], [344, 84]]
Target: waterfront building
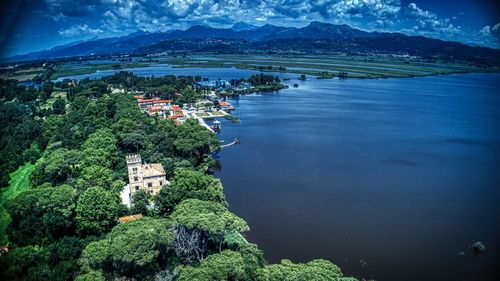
[[224, 105], [213, 84]]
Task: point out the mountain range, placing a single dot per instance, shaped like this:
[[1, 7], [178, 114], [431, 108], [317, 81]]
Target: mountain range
[[316, 37]]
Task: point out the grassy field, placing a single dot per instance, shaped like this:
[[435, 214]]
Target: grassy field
[[21, 77], [321, 66], [19, 182], [56, 94], [70, 69], [331, 66], [23, 74]]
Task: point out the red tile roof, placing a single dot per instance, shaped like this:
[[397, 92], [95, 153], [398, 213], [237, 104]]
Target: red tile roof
[[175, 116], [155, 108], [162, 101]]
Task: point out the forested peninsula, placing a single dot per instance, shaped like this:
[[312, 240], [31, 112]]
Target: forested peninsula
[[63, 149]]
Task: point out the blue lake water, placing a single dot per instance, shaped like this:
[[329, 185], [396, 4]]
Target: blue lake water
[[36, 85], [391, 179], [164, 69]]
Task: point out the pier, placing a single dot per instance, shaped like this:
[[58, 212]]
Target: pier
[[236, 141]]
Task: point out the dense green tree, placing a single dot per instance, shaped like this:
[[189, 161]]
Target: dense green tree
[[95, 176], [132, 142], [188, 184], [58, 207], [63, 258], [253, 258], [189, 95], [96, 255], [21, 134], [194, 143], [59, 166], [124, 125], [227, 265], [48, 88], [59, 106], [96, 211], [262, 79], [140, 202], [32, 153], [42, 215], [207, 216], [52, 126], [27, 264], [93, 275], [213, 220], [316, 270], [100, 149], [26, 226], [132, 249]]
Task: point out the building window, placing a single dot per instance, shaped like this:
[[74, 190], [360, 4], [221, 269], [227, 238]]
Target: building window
[[161, 183], [136, 178], [134, 170], [136, 188], [150, 184]]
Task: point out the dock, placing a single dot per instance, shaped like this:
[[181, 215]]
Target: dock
[[236, 141]]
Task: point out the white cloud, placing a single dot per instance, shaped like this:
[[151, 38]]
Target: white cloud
[[118, 17], [78, 30], [121, 16], [430, 24], [491, 31], [489, 36]]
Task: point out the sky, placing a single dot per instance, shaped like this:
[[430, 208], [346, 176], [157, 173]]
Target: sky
[[32, 25]]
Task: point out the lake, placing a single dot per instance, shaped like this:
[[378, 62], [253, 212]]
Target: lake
[[391, 179], [165, 69]]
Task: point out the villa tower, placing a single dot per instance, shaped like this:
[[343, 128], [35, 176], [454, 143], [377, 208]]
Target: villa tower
[[148, 177]]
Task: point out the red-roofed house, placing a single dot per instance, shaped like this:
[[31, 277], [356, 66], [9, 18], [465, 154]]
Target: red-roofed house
[[225, 105]]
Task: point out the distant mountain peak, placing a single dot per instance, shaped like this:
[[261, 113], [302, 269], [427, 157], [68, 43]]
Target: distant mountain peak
[[240, 26], [318, 23], [268, 26], [315, 37], [324, 25], [196, 26]]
